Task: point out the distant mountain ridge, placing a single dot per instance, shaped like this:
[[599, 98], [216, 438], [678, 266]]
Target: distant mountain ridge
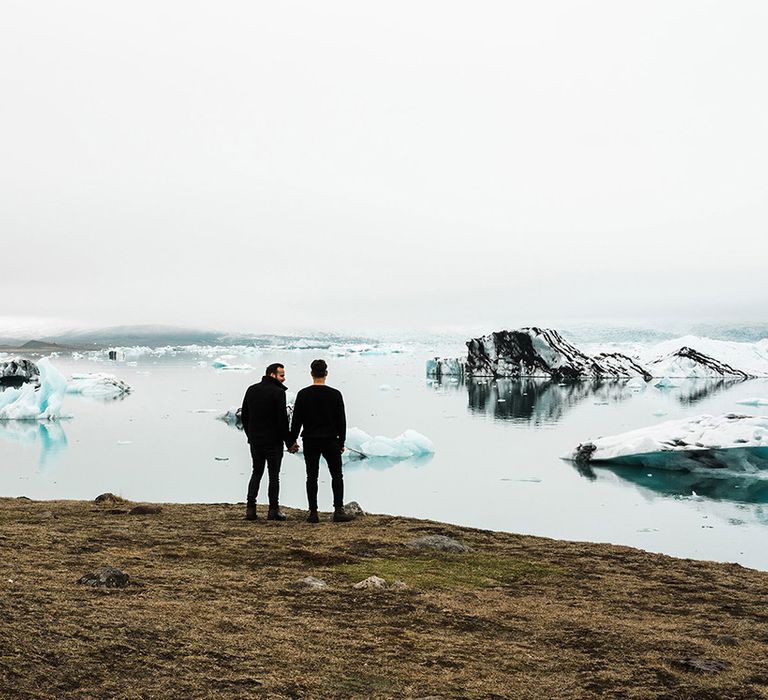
[[162, 335]]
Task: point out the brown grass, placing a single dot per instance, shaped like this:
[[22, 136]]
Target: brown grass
[[213, 611]]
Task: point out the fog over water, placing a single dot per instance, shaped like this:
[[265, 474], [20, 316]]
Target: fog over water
[[348, 166]]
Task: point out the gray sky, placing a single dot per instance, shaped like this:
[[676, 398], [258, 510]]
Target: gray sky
[[355, 165]]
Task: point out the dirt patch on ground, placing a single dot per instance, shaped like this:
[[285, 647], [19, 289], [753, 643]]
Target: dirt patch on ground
[[213, 610]]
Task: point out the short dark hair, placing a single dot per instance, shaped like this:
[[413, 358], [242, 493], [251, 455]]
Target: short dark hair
[[319, 368], [272, 369]]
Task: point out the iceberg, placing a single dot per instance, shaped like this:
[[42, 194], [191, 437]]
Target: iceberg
[[19, 369], [689, 363], [543, 352], [738, 358], [408, 444], [97, 384], [733, 441], [30, 402]]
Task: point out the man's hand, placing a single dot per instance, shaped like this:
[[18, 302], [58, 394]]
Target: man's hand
[[342, 450], [293, 449]]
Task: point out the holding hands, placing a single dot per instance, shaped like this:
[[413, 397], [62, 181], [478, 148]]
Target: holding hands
[[293, 449]]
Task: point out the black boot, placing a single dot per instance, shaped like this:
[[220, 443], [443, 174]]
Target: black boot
[[250, 512], [339, 516], [275, 514], [313, 517]]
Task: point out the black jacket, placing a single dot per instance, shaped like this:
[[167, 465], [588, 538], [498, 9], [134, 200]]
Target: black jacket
[[319, 409], [264, 416]]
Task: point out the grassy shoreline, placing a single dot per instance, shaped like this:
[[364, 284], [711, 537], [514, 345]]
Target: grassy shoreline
[[214, 609]]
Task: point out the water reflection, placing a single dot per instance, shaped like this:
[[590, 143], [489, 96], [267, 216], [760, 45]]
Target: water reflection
[[545, 401], [692, 391], [535, 401], [382, 463], [50, 434], [713, 484]]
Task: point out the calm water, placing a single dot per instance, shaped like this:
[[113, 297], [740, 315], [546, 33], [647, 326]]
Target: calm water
[[497, 463]]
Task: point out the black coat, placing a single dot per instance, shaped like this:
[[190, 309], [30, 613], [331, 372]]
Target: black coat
[[264, 415]]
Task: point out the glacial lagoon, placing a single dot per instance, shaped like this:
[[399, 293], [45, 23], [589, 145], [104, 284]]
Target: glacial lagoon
[[497, 461]]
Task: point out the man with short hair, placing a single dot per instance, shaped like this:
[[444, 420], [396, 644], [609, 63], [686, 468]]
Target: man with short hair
[[319, 409], [265, 423]]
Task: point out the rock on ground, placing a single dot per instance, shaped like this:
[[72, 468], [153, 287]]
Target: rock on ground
[[108, 498], [441, 542], [353, 508], [312, 582], [105, 577], [371, 582]]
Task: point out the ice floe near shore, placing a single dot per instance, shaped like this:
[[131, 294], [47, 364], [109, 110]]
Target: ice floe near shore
[[734, 441], [33, 402]]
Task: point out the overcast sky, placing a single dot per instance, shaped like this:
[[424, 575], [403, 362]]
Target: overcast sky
[[357, 165]]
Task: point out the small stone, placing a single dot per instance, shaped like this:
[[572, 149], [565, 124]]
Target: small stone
[[47, 515], [353, 508], [702, 665], [312, 582], [105, 577], [145, 510], [371, 582], [399, 585], [441, 542]]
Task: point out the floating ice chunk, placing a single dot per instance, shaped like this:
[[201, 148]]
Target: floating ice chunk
[[666, 383], [221, 363], [97, 384], [231, 417], [409, 444], [755, 401], [29, 402], [733, 441]]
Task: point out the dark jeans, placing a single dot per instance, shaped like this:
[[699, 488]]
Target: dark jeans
[[272, 455], [313, 450]]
